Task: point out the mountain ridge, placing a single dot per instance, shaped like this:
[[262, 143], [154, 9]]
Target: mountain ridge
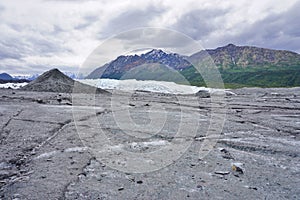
[[240, 55], [5, 77], [232, 61]]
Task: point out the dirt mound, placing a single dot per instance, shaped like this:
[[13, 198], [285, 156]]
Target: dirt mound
[[55, 81]]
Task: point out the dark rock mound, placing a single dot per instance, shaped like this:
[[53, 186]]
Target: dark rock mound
[[56, 81]]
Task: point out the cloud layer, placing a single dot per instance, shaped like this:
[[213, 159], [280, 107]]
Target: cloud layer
[[37, 35]]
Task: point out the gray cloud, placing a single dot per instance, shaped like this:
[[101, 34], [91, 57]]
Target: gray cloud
[[44, 47], [5, 53], [69, 1], [158, 38], [20, 68], [89, 20], [17, 48], [12, 49], [1, 8], [200, 23], [131, 19], [278, 31], [57, 30]]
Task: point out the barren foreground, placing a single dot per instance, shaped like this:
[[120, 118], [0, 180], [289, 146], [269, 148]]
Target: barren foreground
[[43, 155]]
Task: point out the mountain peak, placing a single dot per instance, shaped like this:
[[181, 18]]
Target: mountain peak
[[230, 45], [154, 52], [157, 51], [54, 74]]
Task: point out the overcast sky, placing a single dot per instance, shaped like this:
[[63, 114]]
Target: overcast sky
[[37, 35]]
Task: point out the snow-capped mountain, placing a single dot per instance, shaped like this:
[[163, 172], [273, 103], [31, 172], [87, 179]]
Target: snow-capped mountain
[[74, 75], [172, 60], [26, 77], [118, 67]]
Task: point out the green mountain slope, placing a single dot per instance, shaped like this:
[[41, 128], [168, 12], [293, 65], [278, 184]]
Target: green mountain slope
[[252, 77], [250, 67], [154, 71]]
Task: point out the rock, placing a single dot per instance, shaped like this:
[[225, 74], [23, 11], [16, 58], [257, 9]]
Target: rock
[[130, 178], [16, 196], [226, 154], [250, 187], [120, 188], [6, 174], [203, 94], [59, 100], [237, 167], [200, 187], [222, 172], [229, 93], [193, 164], [5, 165], [39, 101], [139, 182]]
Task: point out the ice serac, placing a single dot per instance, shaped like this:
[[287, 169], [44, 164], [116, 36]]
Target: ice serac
[[55, 81]]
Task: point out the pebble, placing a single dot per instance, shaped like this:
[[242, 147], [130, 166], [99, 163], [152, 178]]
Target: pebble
[[16, 196], [131, 178], [222, 172], [237, 167], [200, 186], [39, 101]]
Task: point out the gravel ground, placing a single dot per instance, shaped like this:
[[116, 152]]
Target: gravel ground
[[53, 146]]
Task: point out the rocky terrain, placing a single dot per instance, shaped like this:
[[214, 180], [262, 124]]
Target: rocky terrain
[[44, 154]]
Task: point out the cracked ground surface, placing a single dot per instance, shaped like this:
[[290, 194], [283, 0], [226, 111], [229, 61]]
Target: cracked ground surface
[[42, 156]]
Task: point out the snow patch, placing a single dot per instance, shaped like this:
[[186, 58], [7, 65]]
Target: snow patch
[[13, 85]]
